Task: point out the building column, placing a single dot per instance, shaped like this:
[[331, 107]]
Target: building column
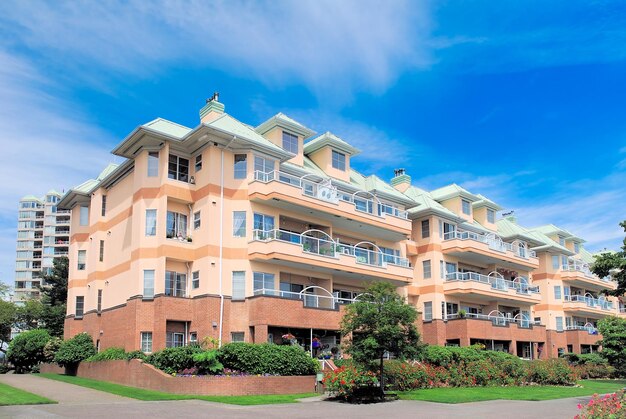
[[260, 333]]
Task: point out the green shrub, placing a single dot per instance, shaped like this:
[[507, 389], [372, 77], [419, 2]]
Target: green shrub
[[551, 372], [173, 360], [108, 354], [447, 355], [75, 350], [345, 381], [51, 348], [592, 370], [26, 350], [207, 362], [267, 359], [136, 355]]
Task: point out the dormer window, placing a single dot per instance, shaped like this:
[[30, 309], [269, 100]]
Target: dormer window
[[562, 240], [466, 207], [576, 247], [491, 216], [290, 142], [339, 161]]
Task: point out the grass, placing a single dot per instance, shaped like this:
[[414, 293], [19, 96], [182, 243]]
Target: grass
[[479, 394], [152, 395], [12, 396]]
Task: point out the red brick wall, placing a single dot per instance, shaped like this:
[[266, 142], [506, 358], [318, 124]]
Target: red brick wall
[[135, 373]]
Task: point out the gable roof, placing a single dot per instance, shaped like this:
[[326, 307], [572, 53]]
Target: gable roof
[[451, 191], [283, 121], [332, 140]]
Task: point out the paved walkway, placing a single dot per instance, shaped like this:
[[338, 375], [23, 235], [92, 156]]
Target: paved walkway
[[80, 402]]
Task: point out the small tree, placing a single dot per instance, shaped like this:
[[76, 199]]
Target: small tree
[[381, 321], [53, 296], [73, 351], [614, 264], [613, 330], [27, 349]]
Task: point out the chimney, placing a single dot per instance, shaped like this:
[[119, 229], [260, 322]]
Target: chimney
[[401, 181], [212, 110]]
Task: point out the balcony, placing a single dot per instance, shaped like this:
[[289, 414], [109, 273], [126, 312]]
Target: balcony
[[360, 211], [588, 304], [491, 287], [485, 327], [497, 319], [489, 249], [301, 250], [590, 329], [578, 274]]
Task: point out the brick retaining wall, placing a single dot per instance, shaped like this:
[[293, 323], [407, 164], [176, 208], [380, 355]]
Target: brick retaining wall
[[135, 373]]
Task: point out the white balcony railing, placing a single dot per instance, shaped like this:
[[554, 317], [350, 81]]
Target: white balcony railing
[[497, 320], [590, 329], [577, 266], [328, 247], [590, 301], [493, 241], [324, 190], [520, 286], [309, 300]]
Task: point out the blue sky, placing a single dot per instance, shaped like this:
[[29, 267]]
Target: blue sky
[[521, 101]]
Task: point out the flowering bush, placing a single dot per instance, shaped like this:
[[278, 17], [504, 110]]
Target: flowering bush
[[588, 370], [551, 372], [610, 406], [344, 382]]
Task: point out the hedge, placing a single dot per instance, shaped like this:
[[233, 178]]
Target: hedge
[[267, 358]]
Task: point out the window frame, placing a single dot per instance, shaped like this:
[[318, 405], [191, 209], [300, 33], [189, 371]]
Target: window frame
[[197, 163], [99, 306], [104, 205], [197, 221], [239, 278], [145, 343], [78, 314], [180, 225], [240, 167], [428, 311], [195, 280], [177, 284], [427, 263], [338, 160], [81, 266], [153, 164], [101, 252], [491, 216], [151, 230], [241, 230], [465, 204], [83, 216], [425, 226], [148, 283], [289, 140], [177, 173]]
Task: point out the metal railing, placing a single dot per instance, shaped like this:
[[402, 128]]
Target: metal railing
[[590, 330], [590, 301], [496, 320], [494, 281], [327, 247], [493, 243], [325, 191], [575, 266], [309, 300]]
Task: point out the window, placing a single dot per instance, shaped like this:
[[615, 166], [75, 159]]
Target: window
[[263, 281], [82, 255], [146, 342], [263, 222], [465, 207], [239, 285], [390, 255], [80, 306], [557, 292], [99, 301], [425, 229], [176, 225], [239, 224], [236, 336], [263, 165], [564, 261], [198, 165], [442, 274], [196, 220], [175, 284], [339, 160], [426, 269], [151, 222], [240, 166], [101, 257], [153, 164], [195, 280], [555, 262], [561, 240], [84, 216], [491, 216], [290, 142], [104, 205], [576, 247], [559, 324], [193, 337], [148, 283], [428, 310], [289, 290], [450, 269], [178, 168]]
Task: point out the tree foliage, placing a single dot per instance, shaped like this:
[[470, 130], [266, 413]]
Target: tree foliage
[[614, 264], [7, 318], [54, 297], [74, 350], [381, 321], [27, 349], [613, 330]]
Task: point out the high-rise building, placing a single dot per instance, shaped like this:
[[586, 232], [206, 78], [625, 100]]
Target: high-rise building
[[263, 234], [43, 233]]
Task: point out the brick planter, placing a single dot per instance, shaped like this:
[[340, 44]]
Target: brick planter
[[135, 373]]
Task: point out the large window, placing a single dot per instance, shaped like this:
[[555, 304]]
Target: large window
[[146, 342], [428, 310], [151, 222], [178, 168], [239, 285], [425, 229], [339, 160], [557, 292], [427, 269], [576, 247], [263, 222], [148, 283], [559, 324], [81, 260], [290, 142], [84, 216], [153, 164], [80, 306], [263, 165], [239, 224], [175, 284], [237, 337], [555, 262], [466, 207], [289, 290], [176, 225], [240, 166], [491, 216], [263, 281]]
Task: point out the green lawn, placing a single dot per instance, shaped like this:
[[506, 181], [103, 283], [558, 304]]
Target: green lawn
[[479, 394], [150, 395], [12, 396]]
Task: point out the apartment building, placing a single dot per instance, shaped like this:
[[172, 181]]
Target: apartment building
[[265, 234], [43, 233]]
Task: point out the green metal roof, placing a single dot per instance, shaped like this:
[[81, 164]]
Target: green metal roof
[[331, 140], [425, 202], [485, 202], [168, 127], [508, 228], [289, 124], [30, 198], [552, 229], [451, 191], [229, 124]]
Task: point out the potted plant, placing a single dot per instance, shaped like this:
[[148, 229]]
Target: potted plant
[[462, 313], [189, 239]]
